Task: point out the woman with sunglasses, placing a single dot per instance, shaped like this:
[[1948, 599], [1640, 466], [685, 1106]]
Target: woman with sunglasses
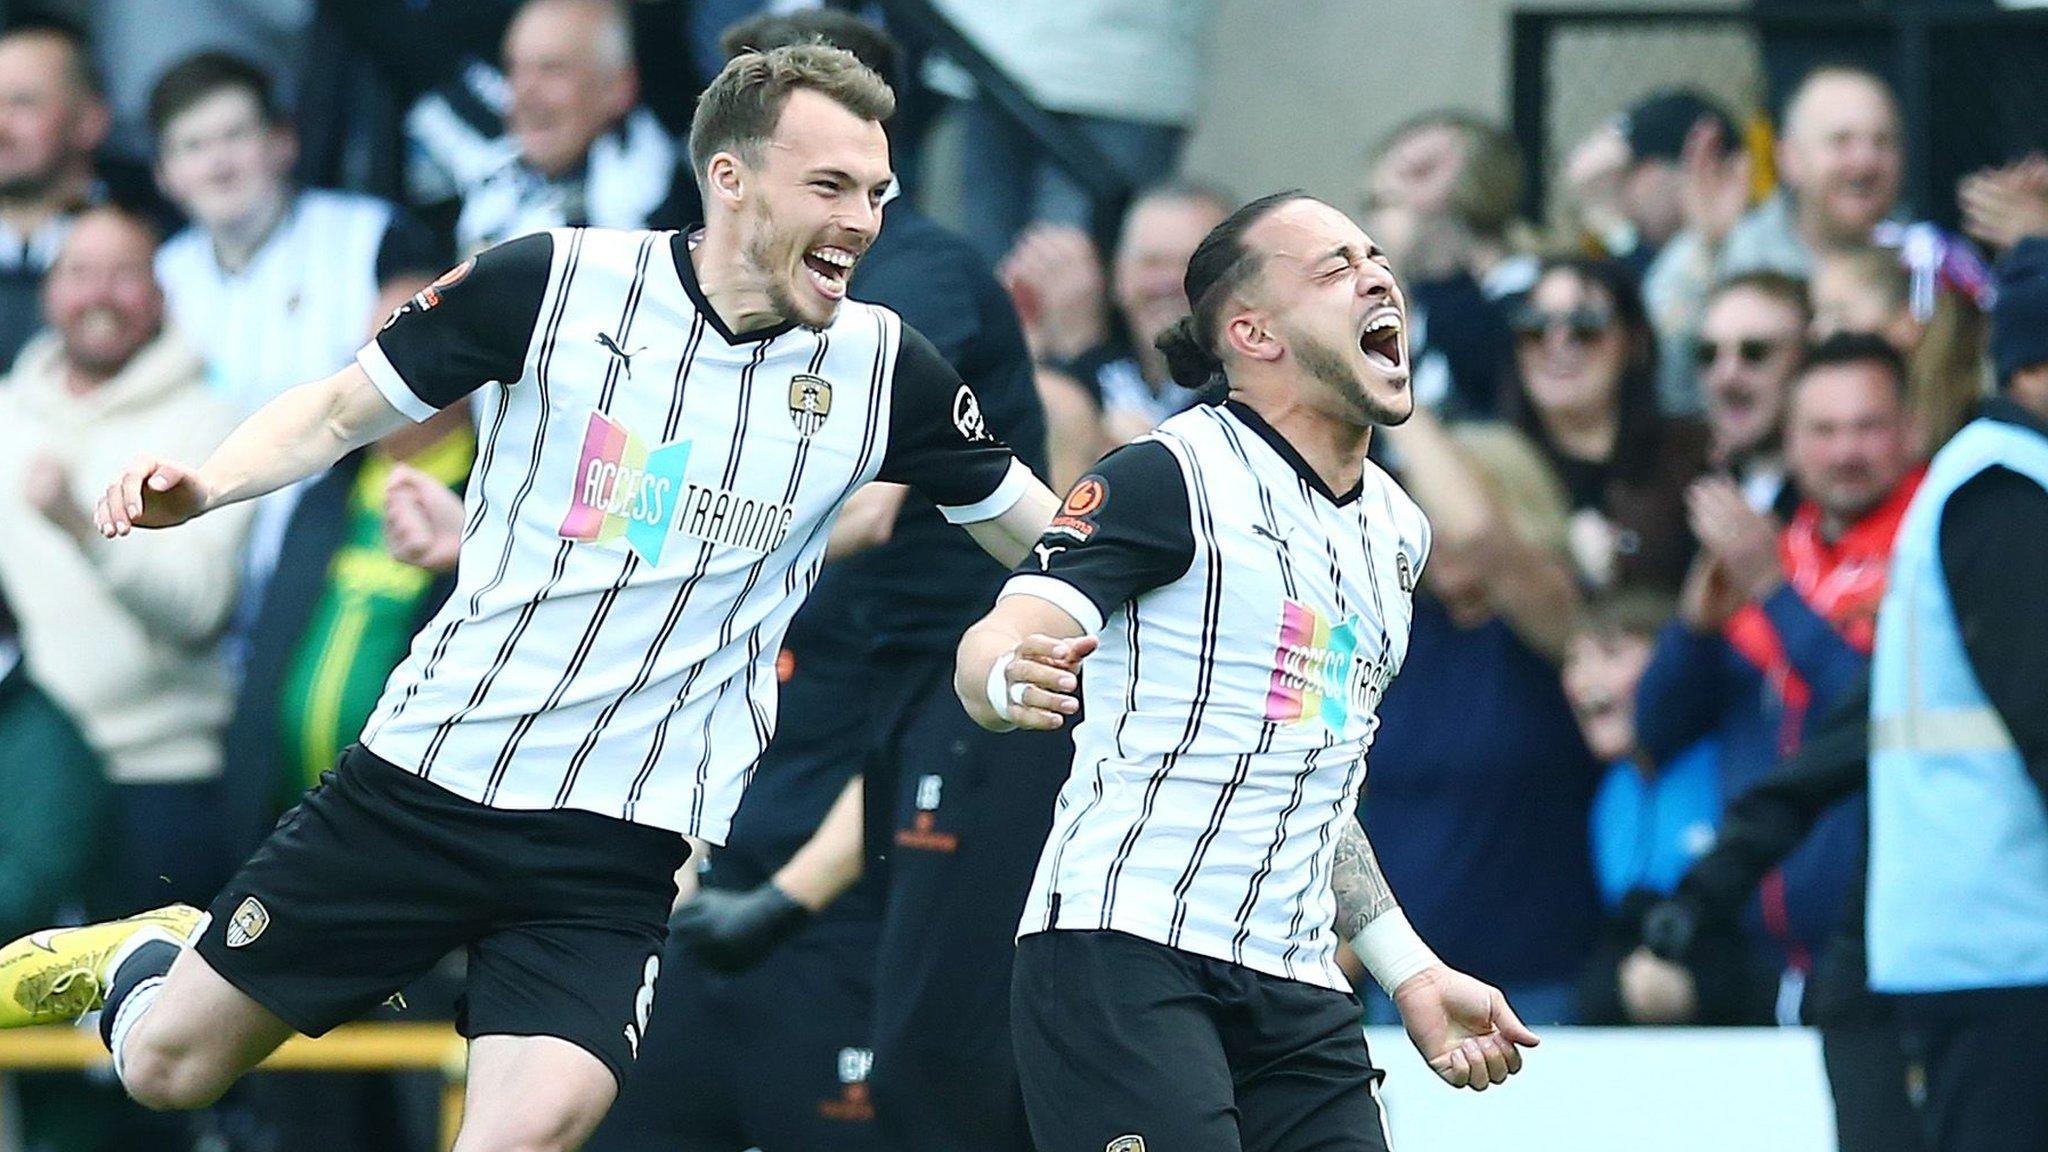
[[1584, 390]]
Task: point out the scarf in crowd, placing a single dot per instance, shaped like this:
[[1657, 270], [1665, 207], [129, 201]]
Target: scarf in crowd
[[1842, 581]]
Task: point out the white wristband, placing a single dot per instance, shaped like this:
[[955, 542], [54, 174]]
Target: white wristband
[[999, 685], [1391, 950]]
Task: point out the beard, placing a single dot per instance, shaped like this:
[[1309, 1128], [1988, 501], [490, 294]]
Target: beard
[[758, 250], [1338, 373]]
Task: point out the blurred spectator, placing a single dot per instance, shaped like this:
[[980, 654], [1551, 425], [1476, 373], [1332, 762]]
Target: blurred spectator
[[121, 632], [1127, 370], [51, 120], [1864, 289], [2002, 206], [1860, 1041], [1840, 163], [1499, 543], [1958, 910], [51, 867], [557, 139], [1627, 180], [1586, 395], [1751, 342], [1777, 624], [338, 615], [1458, 339], [1459, 179], [1871, 289], [1440, 198], [1477, 753], [418, 45], [1651, 819], [275, 286], [1055, 277], [1122, 73], [137, 42]]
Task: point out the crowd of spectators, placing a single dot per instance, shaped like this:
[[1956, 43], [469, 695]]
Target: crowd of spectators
[[1665, 449]]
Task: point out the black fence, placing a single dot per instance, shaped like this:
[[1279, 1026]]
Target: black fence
[[1972, 82]]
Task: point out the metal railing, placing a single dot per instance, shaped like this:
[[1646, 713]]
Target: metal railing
[[381, 1047], [1080, 158]]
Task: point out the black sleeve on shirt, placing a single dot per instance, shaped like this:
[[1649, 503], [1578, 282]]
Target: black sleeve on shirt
[[1124, 530], [472, 325], [1994, 551], [939, 442], [410, 250]]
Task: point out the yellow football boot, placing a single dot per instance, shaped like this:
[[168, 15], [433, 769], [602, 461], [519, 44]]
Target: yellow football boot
[[60, 974]]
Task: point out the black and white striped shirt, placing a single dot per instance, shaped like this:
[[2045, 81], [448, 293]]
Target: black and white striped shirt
[[649, 507], [1250, 621]]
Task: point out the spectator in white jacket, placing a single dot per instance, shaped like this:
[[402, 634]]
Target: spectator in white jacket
[[123, 634]]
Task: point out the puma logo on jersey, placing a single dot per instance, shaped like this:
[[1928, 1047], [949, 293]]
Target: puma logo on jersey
[[625, 358]]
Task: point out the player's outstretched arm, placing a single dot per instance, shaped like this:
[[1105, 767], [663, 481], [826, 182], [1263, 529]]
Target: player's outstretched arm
[[1009, 537], [1463, 1027], [297, 435], [1019, 667]]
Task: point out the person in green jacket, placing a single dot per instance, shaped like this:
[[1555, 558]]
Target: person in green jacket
[[51, 869]]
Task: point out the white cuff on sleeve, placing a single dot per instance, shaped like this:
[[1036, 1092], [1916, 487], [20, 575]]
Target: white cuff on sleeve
[[1391, 950], [1059, 594], [393, 386], [1015, 483]]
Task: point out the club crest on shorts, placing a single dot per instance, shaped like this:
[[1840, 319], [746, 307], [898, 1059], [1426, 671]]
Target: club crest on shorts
[[810, 401], [1125, 1144], [248, 923]]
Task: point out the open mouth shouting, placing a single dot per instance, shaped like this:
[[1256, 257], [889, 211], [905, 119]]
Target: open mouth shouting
[[830, 267], [1380, 341]]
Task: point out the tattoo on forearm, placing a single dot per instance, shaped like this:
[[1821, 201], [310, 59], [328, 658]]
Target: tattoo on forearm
[[1360, 886]]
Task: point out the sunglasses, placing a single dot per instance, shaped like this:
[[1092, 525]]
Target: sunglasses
[[1751, 353], [1582, 325]]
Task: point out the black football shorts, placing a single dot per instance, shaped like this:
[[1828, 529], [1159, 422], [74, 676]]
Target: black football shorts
[[378, 874], [1126, 1045]]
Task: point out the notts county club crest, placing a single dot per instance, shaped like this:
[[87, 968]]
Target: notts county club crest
[[249, 922], [810, 401], [1126, 1144]]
